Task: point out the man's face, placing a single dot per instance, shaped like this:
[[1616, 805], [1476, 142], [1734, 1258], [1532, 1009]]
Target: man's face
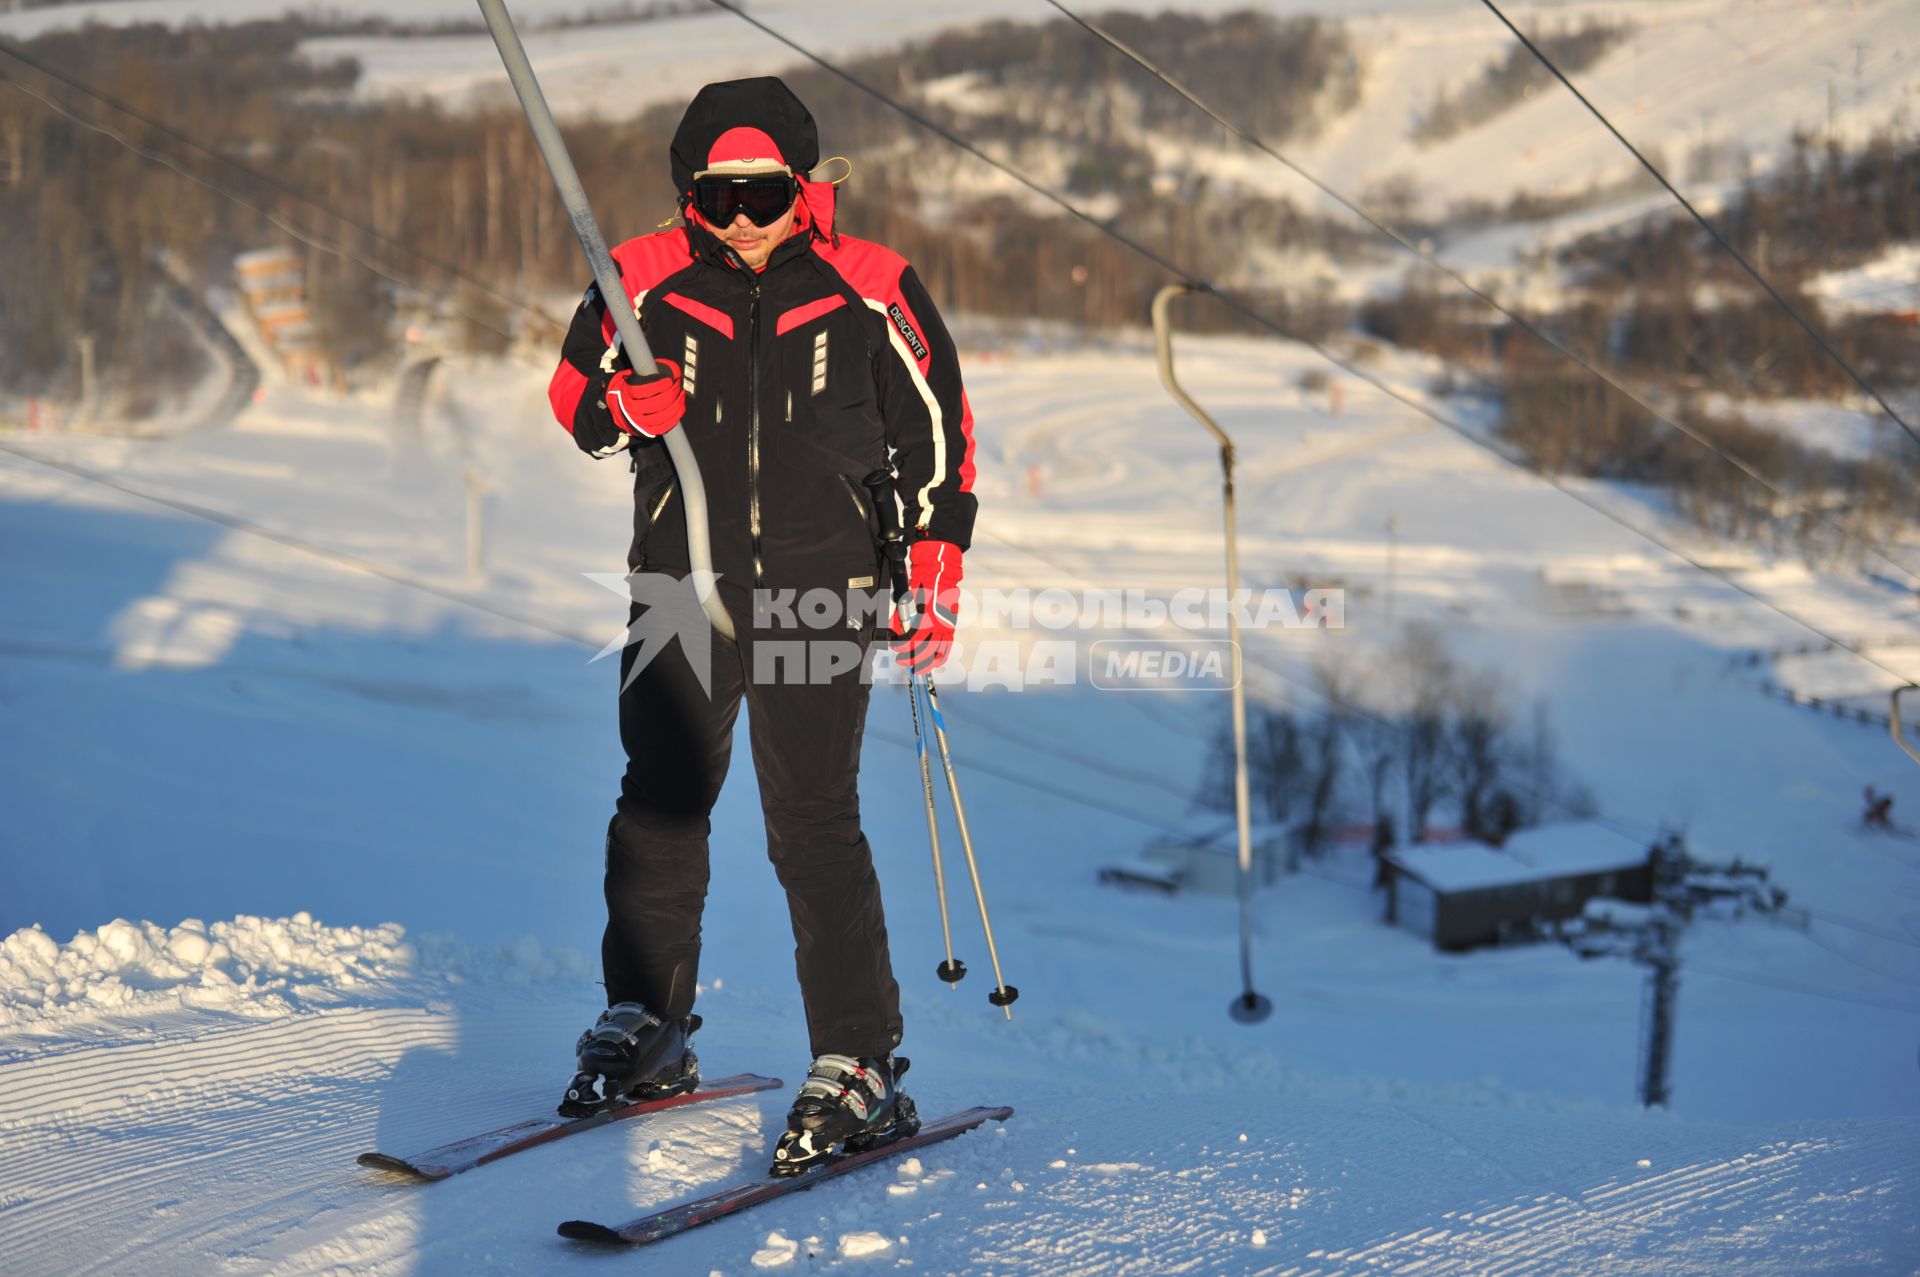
[[756, 243]]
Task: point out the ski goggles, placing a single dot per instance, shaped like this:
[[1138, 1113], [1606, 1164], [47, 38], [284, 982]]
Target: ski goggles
[[764, 199]]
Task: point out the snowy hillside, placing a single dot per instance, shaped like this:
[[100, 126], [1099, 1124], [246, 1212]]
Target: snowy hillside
[[1735, 78], [1713, 86], [304, 823], [207, 725]]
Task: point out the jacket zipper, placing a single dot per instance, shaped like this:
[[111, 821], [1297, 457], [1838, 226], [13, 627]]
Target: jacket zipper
[[666, 495], [859, 507], [753, 429], [653, 520]]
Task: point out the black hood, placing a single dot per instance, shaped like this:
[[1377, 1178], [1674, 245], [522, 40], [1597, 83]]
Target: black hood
[[764, 103]]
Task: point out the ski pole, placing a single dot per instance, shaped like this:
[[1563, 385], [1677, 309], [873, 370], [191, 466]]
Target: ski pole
[[951, 971], [893, 545], [1003, 994], [553, 148]]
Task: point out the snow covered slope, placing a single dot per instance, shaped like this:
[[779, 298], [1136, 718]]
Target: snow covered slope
[[203, 724], [1736, 77], [302, 859], [196, 1145], [591, 70]]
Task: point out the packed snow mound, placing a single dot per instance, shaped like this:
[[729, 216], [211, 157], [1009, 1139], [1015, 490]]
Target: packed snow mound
[[245, 964], [250, 966]]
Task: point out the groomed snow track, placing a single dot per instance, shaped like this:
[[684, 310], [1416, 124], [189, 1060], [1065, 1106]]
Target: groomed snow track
[[221, 1147]]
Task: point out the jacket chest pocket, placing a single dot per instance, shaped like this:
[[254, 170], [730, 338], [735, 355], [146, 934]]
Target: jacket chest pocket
[[709, 344], [827, 393]]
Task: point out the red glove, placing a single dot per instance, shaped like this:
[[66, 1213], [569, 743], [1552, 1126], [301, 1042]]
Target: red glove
[[650, 405], [924, 634]]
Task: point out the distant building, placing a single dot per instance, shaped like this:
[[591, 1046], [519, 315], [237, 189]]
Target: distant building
[[1462, 895], [273, 282]]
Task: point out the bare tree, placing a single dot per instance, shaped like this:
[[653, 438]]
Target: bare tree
[[1277, 772], [1376, 739], [1425, 674], [1327, 740], [1482, 759]]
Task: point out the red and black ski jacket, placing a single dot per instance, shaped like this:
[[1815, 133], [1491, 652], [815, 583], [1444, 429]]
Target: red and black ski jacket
[[801, 380]]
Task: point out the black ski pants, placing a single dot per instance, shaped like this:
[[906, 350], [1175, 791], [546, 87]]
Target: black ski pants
[[806, 739]]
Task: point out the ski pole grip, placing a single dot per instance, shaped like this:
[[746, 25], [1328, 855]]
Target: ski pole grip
[[893, 538]]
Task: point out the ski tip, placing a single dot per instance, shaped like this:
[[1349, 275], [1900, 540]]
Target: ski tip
[[395, 1166], [581, 1230]]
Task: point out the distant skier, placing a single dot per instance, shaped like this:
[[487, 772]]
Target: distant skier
[[799, 362], [1879, 812]]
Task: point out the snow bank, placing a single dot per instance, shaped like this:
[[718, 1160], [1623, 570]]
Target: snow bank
[[252, 966], [246, 964]]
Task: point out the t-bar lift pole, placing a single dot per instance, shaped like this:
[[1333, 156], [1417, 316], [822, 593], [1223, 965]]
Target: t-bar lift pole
[[1248, 1007], [612, 292]]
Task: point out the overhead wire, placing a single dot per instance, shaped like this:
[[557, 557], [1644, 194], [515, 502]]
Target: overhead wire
[[1051, 748], [1428, 257], [381, 571], [250, 527], [1026, 781], [1204, 286], [311, 238], [1865, 928], [1133, 245], [1640, 837], [1854, 960], [1808, 990], [1242, 308], [238, 523], [1792, 311], [14, 51]]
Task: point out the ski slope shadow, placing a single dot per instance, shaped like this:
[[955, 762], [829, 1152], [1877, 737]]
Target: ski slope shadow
[[434, 1095], [60, 603], [195, 733]]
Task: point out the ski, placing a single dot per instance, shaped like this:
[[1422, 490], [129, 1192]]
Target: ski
[[731, 1201], [478, 1150]]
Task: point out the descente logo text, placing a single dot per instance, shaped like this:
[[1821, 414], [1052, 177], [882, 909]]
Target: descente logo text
[[912, 338]]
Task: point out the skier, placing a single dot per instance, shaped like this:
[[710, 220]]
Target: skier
[[803, 364], [1879, 812]]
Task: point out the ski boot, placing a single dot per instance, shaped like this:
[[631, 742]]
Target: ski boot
[[855, 1104], [631, 1055]]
